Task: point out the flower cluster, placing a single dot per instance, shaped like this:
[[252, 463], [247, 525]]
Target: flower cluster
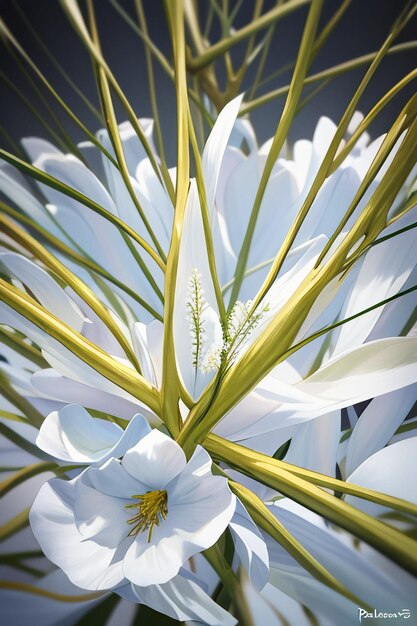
[[209, 382]]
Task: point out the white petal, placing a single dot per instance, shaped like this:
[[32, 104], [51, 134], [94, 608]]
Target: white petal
[[156, 460], [71, 434], [375, 368], [138, 332], [78, 435], [250, 546], [215, 147], [315, 444], [183, 599], [112, 480], [383, 272], [272, 606], [377, 584], [149, 564], [290, 586], [377, 424], [44, 288], [100, 518], [86, 563], [389, 471], [371, 370], [14, 186], [200, 506], [193, 257], [120, 262], [64, 389]]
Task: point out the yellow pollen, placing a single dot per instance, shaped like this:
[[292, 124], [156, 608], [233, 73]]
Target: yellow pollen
[[153, 507]]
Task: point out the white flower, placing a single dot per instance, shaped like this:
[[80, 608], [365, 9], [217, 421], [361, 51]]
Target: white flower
[[138, 520]]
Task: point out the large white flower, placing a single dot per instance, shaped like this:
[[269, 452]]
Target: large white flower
[[138, 520]]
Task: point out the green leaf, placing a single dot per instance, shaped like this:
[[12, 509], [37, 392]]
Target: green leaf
[[270, 472], [123, 376], [25, 474], [301, 67], [80, 288], [171, 387], [209, 55], [14, 525], [264, 518]]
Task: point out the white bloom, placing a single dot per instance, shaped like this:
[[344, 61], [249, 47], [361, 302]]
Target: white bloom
[[138, 520]]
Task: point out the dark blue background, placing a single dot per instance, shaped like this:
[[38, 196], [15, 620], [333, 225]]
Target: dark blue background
[[362, 30]]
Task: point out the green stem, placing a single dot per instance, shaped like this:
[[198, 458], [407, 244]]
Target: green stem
[[287, 116], [207, 57], [380, 536]]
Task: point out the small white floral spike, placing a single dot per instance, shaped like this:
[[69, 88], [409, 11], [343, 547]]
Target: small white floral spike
[[213, 346], [210, 341], [241, 323], [238, 318], [196, 305], [211, 360]]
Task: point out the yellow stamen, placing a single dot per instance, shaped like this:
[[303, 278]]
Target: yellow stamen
[[153, 506]]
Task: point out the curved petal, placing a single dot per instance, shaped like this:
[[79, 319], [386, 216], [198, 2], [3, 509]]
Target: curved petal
[[51, 383], [382, 274], [377, 424], [53, 524], [156, 460], [250, 546], [215, 147], [273, 607], [111, 479], [375, 368], [183, 599], [389, 471], [315, 444], [193, 279], [71, 434], [200, 506], [44, 288], [14, 187], [382, 584], [100, 518]]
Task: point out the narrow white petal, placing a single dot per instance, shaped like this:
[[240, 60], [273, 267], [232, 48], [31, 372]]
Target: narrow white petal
[[389, 470], [44, 287], [250, 546], [215, 147], [377, 424]]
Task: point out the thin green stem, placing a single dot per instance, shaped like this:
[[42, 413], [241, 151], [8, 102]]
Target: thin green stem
[[207, 57], [81, 259], [287, 116], [151, 79], [58, 66], [330, 73]]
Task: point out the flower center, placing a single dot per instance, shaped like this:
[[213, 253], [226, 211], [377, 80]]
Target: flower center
[[153, 507]]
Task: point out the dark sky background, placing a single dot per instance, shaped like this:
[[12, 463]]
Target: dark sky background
[[363, 29]]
